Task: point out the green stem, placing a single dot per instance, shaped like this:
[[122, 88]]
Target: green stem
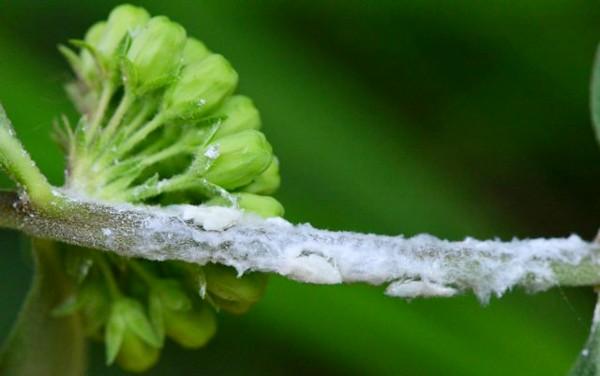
[[169, 152], [41, 344], [154, 147], [141, 134], [142, 272], [156, 234], [588, 362], [19, 165], [107, 92], [138, 120], [113, 287], [107, 153], [176, 183], [145, 159], [115, 120]]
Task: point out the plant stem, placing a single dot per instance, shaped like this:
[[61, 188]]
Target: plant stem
[[165, 153], [115, 120], [19, 165], [141, 272], [90, 132], [113, 287], [419, 266], [41, 344], [175, 183], [141, 134]]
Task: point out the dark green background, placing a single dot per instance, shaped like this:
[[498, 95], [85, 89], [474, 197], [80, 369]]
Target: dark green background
[[456, 118]]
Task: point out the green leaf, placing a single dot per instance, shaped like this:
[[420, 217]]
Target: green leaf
[[115, 330], [156, 316], [130, 73], [40, 343], [138, 323], [72, 58]]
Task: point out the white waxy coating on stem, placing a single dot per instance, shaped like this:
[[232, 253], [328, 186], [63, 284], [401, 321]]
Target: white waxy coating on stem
[[212, 152], [211, 218], [422, 265]]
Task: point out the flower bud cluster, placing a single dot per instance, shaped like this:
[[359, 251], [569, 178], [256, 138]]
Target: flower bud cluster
[[134, 306], [160, 120], [160, 124]]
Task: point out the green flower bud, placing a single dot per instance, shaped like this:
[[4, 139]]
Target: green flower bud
[[230, 306], [239, 113], [194, 51], [264, 206], [122, 20], [171, 313], [239, 159], [154, 57], [92, 302], [172, 295], [89, 67], [202, 87], [266, 183], [191, 275], [233, 293], [130, 337], [166, 296], [191, 329], [95, 307], [95, 33], [136, 355]]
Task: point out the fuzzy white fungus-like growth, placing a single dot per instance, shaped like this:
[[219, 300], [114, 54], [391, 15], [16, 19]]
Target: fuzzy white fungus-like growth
[[422, 265], [417, 266]]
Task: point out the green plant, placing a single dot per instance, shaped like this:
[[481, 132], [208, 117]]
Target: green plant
[[90, 213], [159, 125]]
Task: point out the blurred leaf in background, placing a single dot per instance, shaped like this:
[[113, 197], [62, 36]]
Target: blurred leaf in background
[[454, 118]]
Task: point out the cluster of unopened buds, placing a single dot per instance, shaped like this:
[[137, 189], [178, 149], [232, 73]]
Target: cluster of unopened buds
[[159, 125]]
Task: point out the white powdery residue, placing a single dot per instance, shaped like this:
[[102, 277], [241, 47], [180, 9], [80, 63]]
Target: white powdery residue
[[277, 221], [212, 152], [211, 218], [498, 266], [303, 264], [107, 232], [428, 266], [413, 289], [422, 265]]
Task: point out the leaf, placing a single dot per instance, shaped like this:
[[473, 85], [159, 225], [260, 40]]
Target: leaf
[[40, 343], [130, 73], [156, 316], [139, 324], [72, 58], [83, 45], [115, 330]]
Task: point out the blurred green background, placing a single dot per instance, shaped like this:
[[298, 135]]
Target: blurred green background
[[455, 118]]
